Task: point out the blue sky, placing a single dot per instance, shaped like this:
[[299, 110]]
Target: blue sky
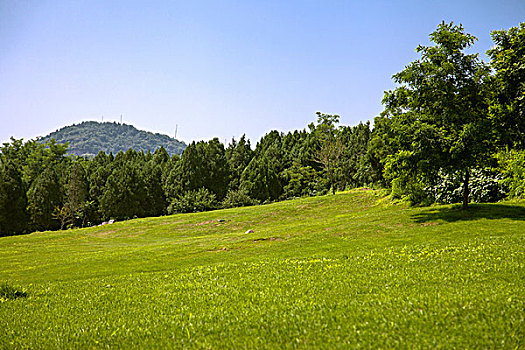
[[215, 68]]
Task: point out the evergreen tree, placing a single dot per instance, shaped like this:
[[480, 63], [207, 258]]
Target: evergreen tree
[[124, 193], [155, 201], [77, 192], [76, 187], [260, 179], [216, 172], [354, 167], [44, 197], [238, 155], [161, 156], [172, 179], [13, 200], [99, 170], [204, 165]]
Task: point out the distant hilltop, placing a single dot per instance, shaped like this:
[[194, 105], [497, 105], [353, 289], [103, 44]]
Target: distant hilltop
[[89, 138]]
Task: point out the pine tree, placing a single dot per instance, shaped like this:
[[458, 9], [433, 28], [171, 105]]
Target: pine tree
[[77, 191], [154, 203], [13, 200], [44, 197], [238, 155], [124, 193]]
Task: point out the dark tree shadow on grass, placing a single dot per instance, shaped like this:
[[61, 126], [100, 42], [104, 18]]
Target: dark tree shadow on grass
[[474, 212]]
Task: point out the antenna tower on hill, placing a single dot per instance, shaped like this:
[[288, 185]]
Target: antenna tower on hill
[[176, 128]]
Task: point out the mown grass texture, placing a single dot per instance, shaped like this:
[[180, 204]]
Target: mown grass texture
[[347, 271]]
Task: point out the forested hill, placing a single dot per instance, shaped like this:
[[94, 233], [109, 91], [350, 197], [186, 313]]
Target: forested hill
[[89, 138]]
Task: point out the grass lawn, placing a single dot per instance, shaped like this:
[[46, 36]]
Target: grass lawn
[[352, 270]]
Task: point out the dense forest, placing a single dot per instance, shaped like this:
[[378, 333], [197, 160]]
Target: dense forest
[[452, 131], [89, 138]]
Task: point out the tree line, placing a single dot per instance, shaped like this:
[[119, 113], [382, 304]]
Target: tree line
[[453, 130], [44, 188]]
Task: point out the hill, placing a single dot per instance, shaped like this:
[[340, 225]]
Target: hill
[[89, 138], [352, 270]]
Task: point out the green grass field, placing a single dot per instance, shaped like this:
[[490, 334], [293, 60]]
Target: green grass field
[[353, 270]]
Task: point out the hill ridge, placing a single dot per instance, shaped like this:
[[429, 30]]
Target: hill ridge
[[91, 137]]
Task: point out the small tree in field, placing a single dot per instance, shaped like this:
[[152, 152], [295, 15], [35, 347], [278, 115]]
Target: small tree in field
[[331, 146]]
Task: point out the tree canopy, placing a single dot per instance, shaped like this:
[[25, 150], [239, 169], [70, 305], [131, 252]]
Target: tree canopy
[[438, 114]]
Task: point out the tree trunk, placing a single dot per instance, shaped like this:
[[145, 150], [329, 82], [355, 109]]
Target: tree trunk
[[466, 189]]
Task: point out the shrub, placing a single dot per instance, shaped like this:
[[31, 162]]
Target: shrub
[[238, 198], [410, 188], [193, 201], [406, 182], [512, 167], [485, 187]]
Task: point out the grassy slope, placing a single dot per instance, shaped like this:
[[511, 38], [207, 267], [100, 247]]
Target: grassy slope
[[348, 270]]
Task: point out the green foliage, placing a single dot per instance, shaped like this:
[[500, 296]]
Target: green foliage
[[508, 85], [76, 195], [64, 215], [89, 138], [13, 200], [124, 193], [154, 202], [260, 179], [355, 168], [331, 145], [303, 181], [485, 187], [512, 167], [193, 201], [7, 291], [238, 198], [203, 164], [43, 197], [238, 155], [405, 181], [438, 114]]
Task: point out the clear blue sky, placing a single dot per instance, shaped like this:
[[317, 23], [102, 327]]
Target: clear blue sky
[[215, 68]]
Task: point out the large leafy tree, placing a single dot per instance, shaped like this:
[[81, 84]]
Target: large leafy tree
[[508, 104], [438, 113]]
